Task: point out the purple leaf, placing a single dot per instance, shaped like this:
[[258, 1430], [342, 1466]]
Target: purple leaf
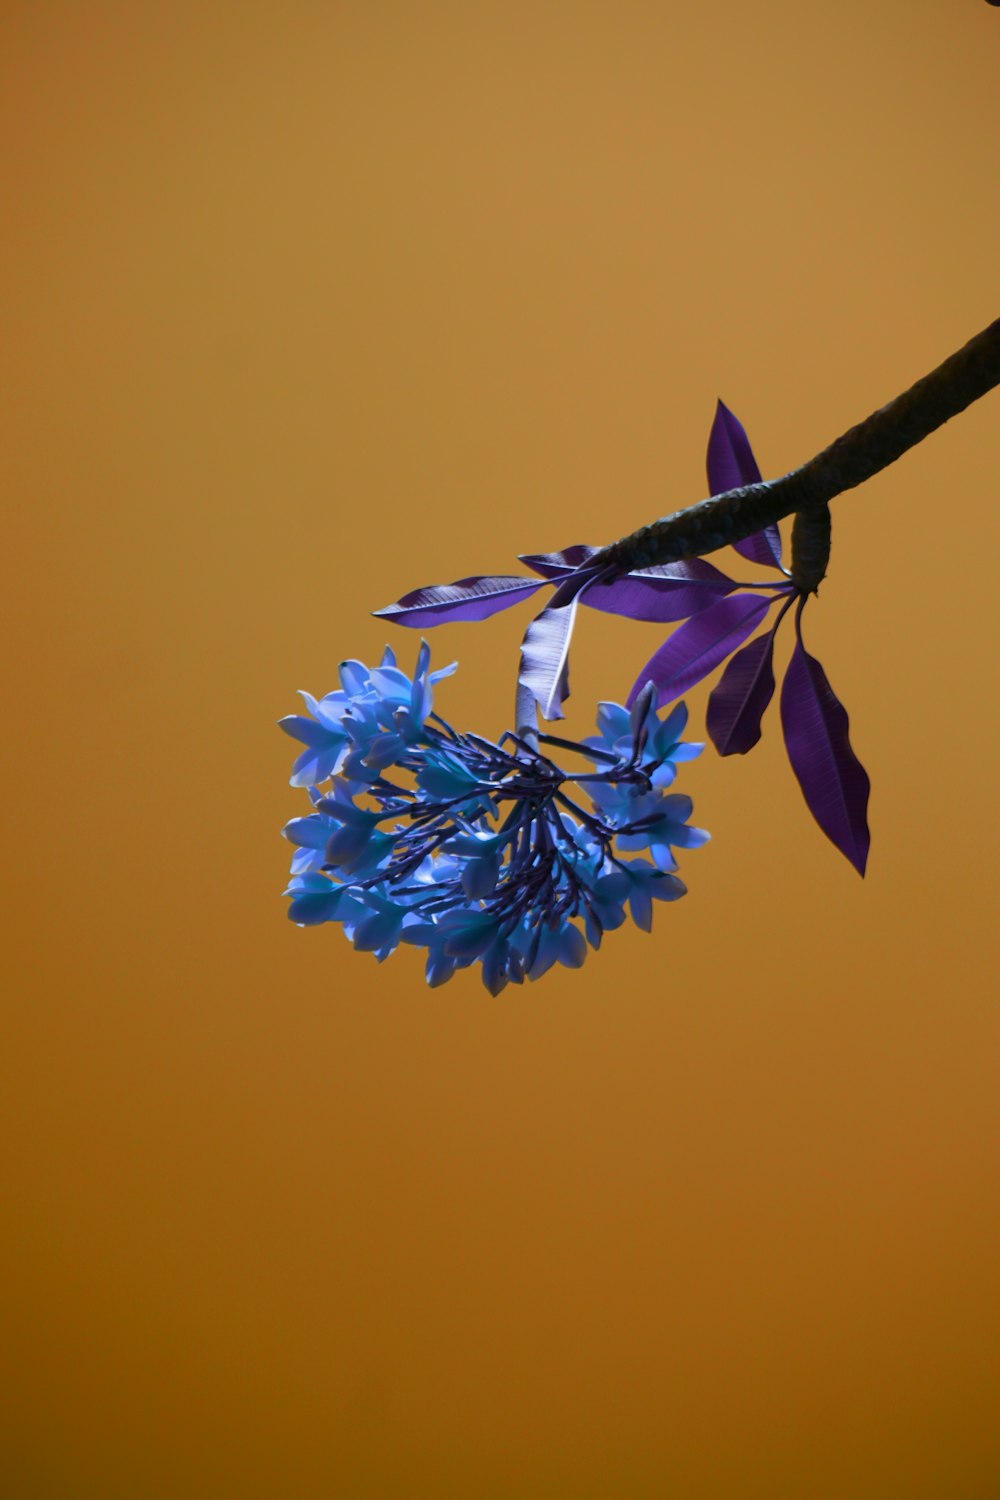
[[731, 465], [468, 599], [833, 780], [672, 591], [545, 649], [762, 547], [738, 700], [649, 596], [692, 570], [558, 564], [699, 645]]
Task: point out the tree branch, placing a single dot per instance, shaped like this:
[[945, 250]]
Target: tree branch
[[805, 492]]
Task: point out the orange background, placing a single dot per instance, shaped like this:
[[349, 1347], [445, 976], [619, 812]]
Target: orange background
[[306, 304]]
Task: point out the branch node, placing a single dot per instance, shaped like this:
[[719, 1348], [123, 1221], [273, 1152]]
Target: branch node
[[810, 547]]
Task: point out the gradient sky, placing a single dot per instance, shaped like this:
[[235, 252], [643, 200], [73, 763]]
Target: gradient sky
[[305, 304]]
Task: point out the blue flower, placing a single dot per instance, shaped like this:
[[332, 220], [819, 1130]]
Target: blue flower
[[482, 853], [323, 735]]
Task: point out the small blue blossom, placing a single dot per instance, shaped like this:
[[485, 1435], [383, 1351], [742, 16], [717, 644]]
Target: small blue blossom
[[482, 853], [323, 735]]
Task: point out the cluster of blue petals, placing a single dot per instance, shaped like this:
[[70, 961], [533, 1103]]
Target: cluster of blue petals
[[480, 852]]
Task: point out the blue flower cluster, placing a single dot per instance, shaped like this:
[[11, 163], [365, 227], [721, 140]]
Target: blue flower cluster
[[480, 852]]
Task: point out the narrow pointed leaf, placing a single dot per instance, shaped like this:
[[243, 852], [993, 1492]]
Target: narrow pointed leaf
[[738, 700], [671, 591], [762, 547], [545, 658], [834, 782], [697, 647], [731, 465], [674, 575], [730, 458], [468, 599], [545, 649], [639, 597], [693, 571], [558, 564]]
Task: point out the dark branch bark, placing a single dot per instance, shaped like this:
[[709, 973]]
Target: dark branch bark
[[806, 492]]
